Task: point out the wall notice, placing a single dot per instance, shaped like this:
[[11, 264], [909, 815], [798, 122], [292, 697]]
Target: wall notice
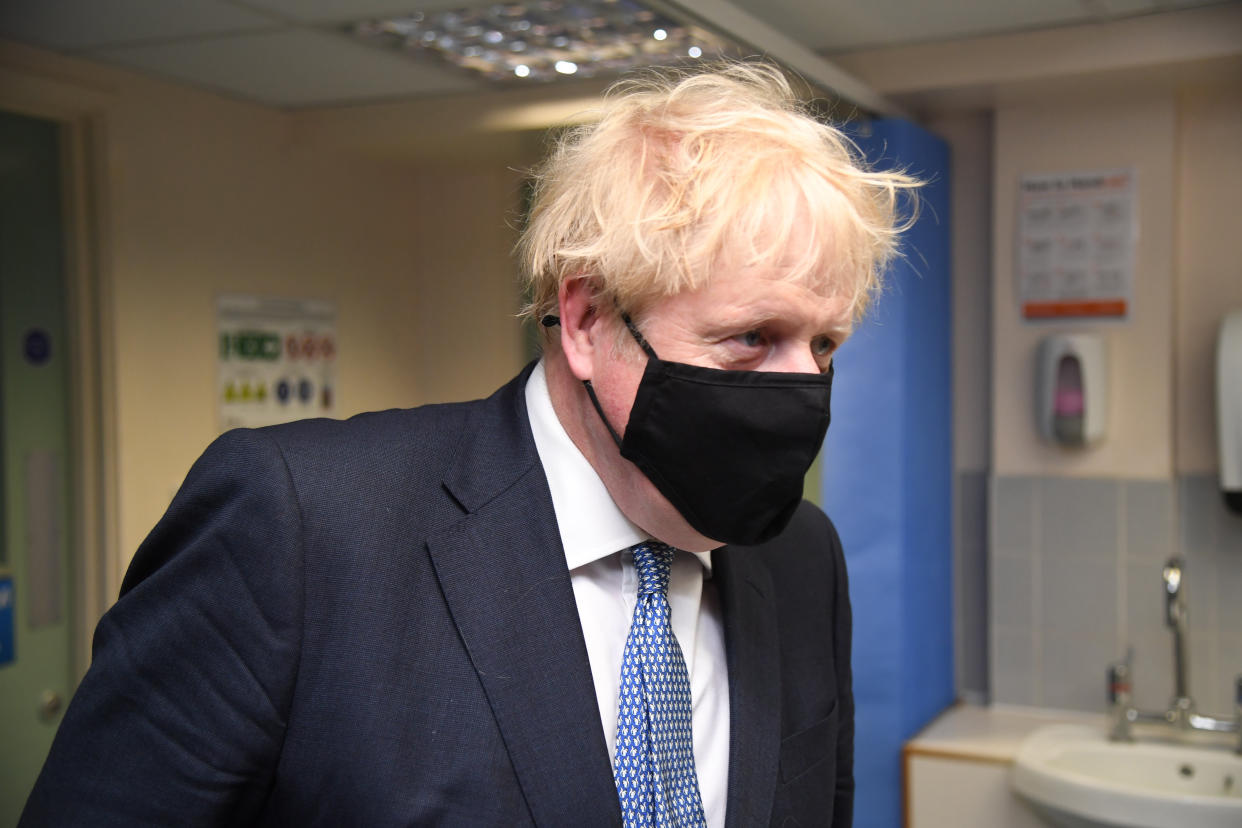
[[1076, 238], [277, 360]]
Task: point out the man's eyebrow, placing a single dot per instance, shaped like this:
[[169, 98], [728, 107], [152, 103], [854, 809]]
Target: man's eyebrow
[[748, 318], [740, 322]]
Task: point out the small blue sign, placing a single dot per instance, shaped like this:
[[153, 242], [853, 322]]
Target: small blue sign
[[305, 390], [37, 346], [6, 621], [283, 391]]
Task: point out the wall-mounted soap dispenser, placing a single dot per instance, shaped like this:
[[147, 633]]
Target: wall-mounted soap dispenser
[[1229, 408], [1071, 389]]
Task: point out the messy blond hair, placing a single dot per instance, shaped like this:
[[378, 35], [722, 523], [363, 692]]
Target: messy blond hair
[[682, 169]]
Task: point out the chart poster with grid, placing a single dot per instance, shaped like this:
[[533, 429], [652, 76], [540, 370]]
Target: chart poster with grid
[[277, 360], [1076, 239]]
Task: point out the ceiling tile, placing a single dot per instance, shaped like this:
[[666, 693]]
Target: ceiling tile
[[850, 24], [80, 24], [320, 11], [296, 68]]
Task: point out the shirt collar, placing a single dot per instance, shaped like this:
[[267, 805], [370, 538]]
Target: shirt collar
[[591, 524]]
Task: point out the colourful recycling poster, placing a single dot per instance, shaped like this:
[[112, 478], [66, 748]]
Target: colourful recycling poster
[[277, 360]]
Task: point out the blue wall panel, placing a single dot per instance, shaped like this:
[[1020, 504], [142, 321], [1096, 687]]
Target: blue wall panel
[[888, 484]]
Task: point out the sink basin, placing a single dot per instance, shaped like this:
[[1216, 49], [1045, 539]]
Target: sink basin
[[1076, 778]]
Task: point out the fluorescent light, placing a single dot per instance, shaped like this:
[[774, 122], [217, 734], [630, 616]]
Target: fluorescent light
[[659, 34], [521, 70], [566, 67]]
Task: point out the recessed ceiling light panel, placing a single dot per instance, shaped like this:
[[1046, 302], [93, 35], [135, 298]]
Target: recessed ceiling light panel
[[546, 39]]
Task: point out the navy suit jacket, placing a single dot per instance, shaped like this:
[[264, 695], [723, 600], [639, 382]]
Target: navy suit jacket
[[371, 623]]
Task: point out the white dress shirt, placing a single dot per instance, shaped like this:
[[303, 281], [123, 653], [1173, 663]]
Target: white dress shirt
[[595, 534]]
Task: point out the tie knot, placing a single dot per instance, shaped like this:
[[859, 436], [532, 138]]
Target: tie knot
[[652, 560]]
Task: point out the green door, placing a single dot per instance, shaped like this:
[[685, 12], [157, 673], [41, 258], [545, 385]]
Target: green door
[[35, 576]]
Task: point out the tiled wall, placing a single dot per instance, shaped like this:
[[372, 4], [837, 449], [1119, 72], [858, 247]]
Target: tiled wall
[[970, 550], [1075, 579]]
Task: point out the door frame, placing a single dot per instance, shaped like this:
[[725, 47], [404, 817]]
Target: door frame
[[94, 549]]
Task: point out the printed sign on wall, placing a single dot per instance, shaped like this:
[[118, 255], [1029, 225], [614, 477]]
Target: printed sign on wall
[[1076, 237], [277, 360]]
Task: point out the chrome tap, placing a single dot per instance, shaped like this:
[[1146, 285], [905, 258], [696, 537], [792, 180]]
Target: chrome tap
[[1119, 700], [1182, 705], [1181, 713]]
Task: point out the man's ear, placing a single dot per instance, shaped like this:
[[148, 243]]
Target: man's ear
[[580, 328]]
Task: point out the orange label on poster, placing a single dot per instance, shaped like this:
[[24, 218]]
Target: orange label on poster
[[1058, 310]]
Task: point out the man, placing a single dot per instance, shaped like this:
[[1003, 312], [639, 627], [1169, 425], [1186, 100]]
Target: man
[[591, 598]]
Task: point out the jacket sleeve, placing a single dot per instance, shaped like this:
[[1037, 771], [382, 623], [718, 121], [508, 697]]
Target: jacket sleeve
[[181, 717], [843, 801]]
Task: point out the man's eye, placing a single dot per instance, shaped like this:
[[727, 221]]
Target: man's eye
[[822, 346], [751, 339]]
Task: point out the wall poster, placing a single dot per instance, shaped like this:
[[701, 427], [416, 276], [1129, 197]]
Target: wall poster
[[1076, 239], [277, 360]]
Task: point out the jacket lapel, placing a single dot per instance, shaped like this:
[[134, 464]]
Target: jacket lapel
[[503, 573], [753, 655]]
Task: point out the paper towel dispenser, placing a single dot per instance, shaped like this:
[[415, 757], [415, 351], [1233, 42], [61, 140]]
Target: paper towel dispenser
[[1229, 408]]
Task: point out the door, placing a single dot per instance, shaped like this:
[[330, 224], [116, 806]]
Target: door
[[35, 577]]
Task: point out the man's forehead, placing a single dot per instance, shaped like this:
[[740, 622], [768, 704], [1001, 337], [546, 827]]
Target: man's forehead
[[754, 297]]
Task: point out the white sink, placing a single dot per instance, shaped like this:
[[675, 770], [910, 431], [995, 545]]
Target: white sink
[[1076, 778]]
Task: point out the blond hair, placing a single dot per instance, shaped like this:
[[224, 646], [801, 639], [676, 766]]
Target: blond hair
[[683, 169]]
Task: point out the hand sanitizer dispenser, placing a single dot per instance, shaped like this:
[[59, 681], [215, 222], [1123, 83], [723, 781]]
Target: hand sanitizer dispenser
[[1071, 389], [1229, 408]]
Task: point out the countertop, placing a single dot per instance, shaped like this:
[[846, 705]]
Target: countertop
[[992, 733]]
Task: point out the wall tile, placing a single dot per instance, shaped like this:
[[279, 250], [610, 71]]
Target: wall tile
[[1229, 591], [1198, 499], [1206, 685], [1081, 597], [1230, 528], [1011, 592], [972, 584], [1079, 519], [1228, 668], [1079, 561], [1012, 525], [1145, 631], [1075, 668], [1145, 601], [972, 506], [1202, 573], [1013, 666], [1149, 520]]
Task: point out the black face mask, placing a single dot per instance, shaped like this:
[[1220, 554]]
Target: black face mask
[[729, 449]]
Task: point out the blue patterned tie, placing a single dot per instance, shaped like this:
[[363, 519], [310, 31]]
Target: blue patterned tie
[[655, 774]]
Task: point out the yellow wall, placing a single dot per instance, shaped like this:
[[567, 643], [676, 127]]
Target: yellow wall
[[1053, 138], [1187, 150], [1159, 92], [1209, 260], [203, 195]]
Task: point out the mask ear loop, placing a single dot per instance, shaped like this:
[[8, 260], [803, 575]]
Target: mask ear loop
[[590, 389], [647, 349], [638, 337], [552, 320]]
